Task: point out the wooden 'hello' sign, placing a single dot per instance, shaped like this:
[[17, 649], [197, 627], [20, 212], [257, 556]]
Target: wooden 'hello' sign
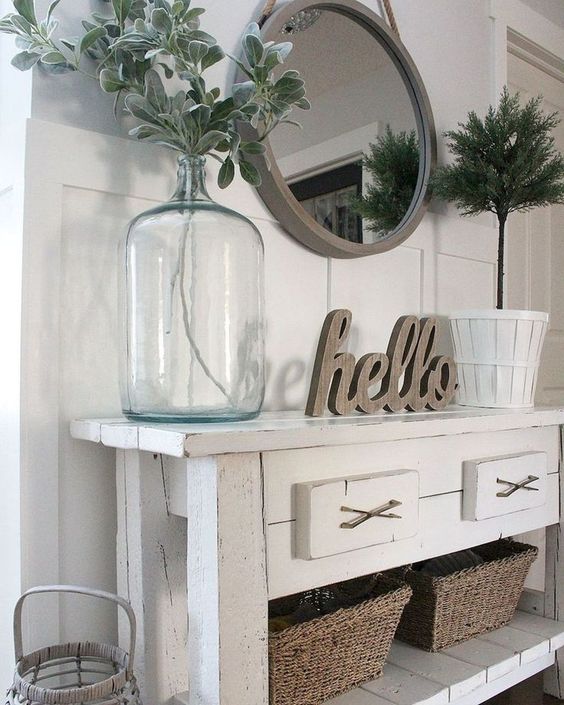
[[410, 376]]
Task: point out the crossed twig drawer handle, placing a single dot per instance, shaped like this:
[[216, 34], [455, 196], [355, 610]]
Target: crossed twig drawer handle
[[514, 486], [364, 516]]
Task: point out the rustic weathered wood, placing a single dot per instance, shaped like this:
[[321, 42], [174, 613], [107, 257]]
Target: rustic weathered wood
[[441, 530], [403, 687], [468, 674], [495, 659], [459, 676], [554, 586], [438, 460], [226, 558], [330, 367], [291, 429], [151, 545], [495, 486], [410, 375], [227, 594], [323, 507]]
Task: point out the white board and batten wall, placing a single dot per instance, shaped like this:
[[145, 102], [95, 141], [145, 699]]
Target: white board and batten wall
[[13, 114], [84, 181]]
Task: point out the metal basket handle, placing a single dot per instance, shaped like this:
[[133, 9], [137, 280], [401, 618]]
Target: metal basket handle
[[124, 604]]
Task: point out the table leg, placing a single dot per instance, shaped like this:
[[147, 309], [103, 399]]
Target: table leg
[[151, 550], [227, 587]]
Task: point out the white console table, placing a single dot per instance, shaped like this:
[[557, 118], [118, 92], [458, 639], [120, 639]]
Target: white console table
[[209, 529]]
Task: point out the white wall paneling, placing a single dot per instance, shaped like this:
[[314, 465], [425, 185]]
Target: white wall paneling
[[296, 304], [533, 63], [69, 359], [82, 184], [535, 252], [15, 106], [368, 287]]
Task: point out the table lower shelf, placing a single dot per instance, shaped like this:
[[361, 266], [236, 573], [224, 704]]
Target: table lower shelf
[[467, 674]]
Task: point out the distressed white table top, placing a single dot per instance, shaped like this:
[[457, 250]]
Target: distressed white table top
[[291, 429]]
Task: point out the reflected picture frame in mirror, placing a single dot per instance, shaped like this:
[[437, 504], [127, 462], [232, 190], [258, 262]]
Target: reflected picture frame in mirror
[[277, 194]]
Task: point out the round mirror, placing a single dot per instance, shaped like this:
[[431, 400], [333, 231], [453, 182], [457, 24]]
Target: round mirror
[[353, 180]]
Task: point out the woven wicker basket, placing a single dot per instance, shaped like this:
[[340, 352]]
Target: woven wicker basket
[[326, 656], [449, 610], [77, 673]]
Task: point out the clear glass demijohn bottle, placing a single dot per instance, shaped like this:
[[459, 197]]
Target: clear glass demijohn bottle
[[191, 304]]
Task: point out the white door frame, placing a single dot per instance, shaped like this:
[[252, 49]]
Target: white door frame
[[517, 28]]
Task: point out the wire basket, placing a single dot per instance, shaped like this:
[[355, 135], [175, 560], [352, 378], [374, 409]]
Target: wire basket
[[74, 673]]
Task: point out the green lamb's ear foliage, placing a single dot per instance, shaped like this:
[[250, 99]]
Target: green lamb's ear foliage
[[133, 47]]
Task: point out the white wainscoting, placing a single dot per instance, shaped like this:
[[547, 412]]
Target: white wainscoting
[[81, 191], [83, 186], [14, 106]]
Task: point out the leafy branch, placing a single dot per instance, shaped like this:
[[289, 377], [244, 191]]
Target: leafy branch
[[143, 44]]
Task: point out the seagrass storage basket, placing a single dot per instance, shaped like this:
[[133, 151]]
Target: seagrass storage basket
[[77, 673], [445, 611], [334, 652]]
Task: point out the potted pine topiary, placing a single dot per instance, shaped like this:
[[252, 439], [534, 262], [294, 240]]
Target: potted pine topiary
[[504, 163]]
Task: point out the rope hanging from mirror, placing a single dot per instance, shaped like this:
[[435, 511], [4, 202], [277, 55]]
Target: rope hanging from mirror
[[269, 7], [266, 11], [391, 16]]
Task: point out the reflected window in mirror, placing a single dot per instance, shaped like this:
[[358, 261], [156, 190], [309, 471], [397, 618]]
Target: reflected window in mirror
[[331, 197]]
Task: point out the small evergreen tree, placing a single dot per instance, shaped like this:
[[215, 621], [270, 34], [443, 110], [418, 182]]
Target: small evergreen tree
[[505, 163], [393, 163]]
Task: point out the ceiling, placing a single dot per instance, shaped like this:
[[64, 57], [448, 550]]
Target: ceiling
[[553, 10]]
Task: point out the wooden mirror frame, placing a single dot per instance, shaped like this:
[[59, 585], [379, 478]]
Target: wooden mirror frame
[[275, 192]]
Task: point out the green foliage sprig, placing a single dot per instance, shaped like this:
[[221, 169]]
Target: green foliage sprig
[[393, 164], [504, 163], [139, 46]]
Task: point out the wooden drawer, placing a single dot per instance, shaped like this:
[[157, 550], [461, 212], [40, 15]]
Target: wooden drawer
[[439, 462], [502, 485], [344, 514]]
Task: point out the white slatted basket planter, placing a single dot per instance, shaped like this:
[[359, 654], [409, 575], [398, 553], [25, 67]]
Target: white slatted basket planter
[[497, 355]]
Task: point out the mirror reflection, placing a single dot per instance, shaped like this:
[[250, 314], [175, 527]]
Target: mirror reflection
[[354, 165]]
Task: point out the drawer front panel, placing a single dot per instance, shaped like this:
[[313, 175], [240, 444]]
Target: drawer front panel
[[441, 530], [498, 486], [345, 514], [438, 460]]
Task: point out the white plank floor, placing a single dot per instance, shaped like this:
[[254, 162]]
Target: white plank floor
[[467, 674]]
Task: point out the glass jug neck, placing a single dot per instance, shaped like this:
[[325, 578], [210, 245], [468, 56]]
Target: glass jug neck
[[191, 180]]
